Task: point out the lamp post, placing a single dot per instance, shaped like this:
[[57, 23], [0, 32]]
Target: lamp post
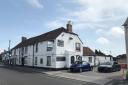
[[9, 52], [126, 38]]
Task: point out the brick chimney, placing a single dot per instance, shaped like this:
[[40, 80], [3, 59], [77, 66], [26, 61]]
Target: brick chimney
[[23, 39], [69, 26]]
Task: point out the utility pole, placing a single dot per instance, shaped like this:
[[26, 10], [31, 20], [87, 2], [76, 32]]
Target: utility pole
[[9, 45], [9, 51], [110, 56], [126, 38]]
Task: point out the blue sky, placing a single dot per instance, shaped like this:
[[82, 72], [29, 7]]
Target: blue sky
[[97, 22]]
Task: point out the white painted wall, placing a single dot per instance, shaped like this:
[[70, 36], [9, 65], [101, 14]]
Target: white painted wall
[[97, 60], [67, 51], [69, 48], [86, 58], [100, 59]]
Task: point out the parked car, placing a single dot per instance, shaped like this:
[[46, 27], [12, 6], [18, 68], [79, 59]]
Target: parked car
[[80, 66], [109, 67]]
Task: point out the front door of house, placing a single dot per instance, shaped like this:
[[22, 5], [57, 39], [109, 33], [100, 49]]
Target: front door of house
[[72, 59], [22, 61], [48, 60]]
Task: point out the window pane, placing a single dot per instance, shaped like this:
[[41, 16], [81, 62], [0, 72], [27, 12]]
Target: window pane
[[50, 46], [36, 47], [41, 61], [60, 59], [60, 43], [90, 59], [78, 46], [35, 60], [48, 60]]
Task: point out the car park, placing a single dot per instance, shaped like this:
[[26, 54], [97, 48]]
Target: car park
[[80, 66], [109, 67]]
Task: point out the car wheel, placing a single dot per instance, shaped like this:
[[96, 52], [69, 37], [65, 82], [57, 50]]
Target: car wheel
[[91, 68], [112, 70], [81, 70], [119, 69]]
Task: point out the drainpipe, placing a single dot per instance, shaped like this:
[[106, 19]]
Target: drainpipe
[[94, 59], [33, 57]]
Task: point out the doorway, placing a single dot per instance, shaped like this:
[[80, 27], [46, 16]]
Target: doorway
[[48, 60], [72, 59]]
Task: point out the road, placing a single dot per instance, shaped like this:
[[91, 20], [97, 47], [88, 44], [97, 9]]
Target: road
[[14, 77]]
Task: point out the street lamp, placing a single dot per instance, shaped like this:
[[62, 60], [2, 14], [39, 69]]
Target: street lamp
[[126, 38]]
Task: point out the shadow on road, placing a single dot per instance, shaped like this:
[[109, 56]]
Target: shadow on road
[[24, 69]]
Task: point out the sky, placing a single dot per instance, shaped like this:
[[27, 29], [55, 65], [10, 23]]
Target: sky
[[97, 22]]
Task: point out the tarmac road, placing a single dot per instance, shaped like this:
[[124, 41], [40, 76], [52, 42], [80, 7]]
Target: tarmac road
[[16, 77]]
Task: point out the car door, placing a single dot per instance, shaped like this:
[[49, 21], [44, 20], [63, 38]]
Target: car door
[[85, 66]]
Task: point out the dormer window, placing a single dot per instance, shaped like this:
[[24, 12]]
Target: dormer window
[[60, 43], [70, 38]]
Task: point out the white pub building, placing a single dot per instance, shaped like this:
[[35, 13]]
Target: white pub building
[[56, 49]]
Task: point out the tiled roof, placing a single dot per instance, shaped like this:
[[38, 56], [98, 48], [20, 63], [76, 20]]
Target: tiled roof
[[99, 53], [121, 56], [44, 37], [87, 52]]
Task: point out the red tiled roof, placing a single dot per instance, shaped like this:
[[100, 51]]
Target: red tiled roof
[[87, 52]]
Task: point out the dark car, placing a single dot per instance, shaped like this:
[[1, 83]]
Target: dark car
[[109, 67], [80, 66]]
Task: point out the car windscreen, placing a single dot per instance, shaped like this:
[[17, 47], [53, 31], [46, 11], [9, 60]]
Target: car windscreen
[[78, 62], [106, 63]]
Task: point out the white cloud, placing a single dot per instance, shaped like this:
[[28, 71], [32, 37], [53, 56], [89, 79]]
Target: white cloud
[[116, 32], [100, 12], [35, 3], [102, 41]]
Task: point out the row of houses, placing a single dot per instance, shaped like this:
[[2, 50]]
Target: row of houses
[[57, 49]]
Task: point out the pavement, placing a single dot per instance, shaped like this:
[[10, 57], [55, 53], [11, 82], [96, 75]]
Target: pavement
[[90, 76], [117, 82]]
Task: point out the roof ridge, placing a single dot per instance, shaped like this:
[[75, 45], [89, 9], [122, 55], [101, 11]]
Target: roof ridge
[[51, 35]]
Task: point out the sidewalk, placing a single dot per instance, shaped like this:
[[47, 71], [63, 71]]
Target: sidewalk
[[93, 79], [117, 82], [24, 69]]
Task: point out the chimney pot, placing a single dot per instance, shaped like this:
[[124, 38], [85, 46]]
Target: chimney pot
[[24, 38], [69, 26]]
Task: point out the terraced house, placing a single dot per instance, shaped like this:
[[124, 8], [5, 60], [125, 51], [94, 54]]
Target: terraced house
[[58, 48]]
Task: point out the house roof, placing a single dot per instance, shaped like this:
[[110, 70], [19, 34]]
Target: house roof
[[43, 37], [99, 53], [87, 52], [121, 56]]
